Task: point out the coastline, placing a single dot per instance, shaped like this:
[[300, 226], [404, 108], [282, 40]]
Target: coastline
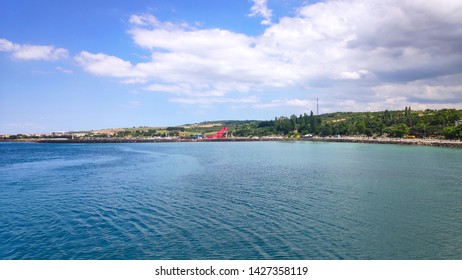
[[395, 141], [366, 140]]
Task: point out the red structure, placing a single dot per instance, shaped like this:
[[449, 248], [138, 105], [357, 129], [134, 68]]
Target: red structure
[[220, 134]]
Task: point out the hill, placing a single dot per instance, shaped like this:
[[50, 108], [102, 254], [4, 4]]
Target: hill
[[445, 123], [420, 124]]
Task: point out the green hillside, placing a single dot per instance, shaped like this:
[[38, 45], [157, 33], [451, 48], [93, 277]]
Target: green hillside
[[443, 123], [429, 123]]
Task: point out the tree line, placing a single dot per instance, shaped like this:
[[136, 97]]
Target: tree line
[[445, 123], [420, 124]]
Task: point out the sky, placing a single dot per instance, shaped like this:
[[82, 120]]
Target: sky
[[83, 65]]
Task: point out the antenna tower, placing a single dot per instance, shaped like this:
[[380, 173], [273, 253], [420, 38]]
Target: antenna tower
[[317, 107]]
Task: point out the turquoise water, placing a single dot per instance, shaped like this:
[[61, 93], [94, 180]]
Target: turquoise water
[[252, 200]]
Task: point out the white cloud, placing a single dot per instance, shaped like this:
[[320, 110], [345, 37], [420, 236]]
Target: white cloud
[[29, 52], [352, 54], [178, 89], [297, 103], [260, 8], [196, 90], [32, 52], [107, 65], [144, 20], [6, 46], [212, 100], [354, 75], [147, 20], [423, 92]]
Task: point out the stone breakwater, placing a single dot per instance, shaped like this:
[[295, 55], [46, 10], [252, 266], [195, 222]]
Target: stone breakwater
[[399, 141], [367, 140]]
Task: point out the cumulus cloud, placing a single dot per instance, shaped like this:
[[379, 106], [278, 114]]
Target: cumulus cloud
[[6, 46], [260, 8], [294, 103], [192, 63], [424, 92], [144, 20], [211, 100], [352, 54], [355, 75], [106, 65], [32, 52]]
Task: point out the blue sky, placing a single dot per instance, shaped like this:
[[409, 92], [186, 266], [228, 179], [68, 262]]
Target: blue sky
[[82, 65]]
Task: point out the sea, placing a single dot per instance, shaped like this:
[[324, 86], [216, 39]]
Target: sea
[[230, 201]]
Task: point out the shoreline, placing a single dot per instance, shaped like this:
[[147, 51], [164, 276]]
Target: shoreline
[[366, 140], [394, 141]]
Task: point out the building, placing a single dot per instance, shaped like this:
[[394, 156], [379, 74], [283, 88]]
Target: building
[[58, 133]]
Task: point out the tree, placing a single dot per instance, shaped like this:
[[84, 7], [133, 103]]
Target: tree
[[283, 125], [312, 122], [419, 130], [360, 127], [399, 130], [326, 130], [342, 128], [293, 123], [453, 132], [408, 116], [369, 132], [387, 117], [394, 123]]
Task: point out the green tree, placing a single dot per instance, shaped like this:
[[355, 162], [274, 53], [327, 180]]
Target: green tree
[[453, 132], [399, 130], [360, 127], [312, 122], [326, 130], [419, 130], [293, 123]]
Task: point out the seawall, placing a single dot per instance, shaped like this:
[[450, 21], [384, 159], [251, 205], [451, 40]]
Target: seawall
[[366, 140]]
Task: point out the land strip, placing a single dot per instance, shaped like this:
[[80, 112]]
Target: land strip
[[368, 140]]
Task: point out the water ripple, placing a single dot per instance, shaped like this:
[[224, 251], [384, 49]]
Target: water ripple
[[229, 201]]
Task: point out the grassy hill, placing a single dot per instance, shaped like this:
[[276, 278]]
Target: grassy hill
[[429, 123], [445, 123]]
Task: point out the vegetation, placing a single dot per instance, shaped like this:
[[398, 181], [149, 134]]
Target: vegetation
[[445, 123], [429, 123]]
